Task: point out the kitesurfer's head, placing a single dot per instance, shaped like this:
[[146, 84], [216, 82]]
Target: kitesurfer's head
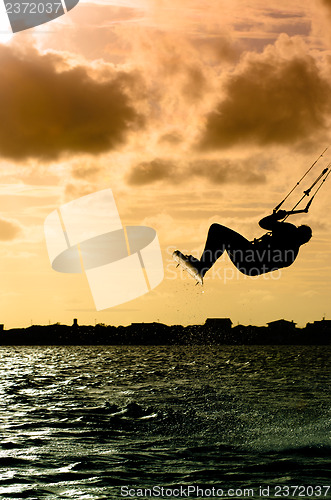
[[304, 233]]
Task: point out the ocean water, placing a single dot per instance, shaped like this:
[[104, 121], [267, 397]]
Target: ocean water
[[84, 422]]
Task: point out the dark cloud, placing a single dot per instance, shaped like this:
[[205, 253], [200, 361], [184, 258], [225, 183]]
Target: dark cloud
[[8, 230], [302, 28], [150, 172], [271, 100], [327, 8], [220, 48], [195, 84], [283, 15], [326, 3], [214, 171], [172, 137], [228, 171], [85, 170], [46, 112]]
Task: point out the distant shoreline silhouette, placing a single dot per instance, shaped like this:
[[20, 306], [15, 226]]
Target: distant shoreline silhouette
[[215, 331]]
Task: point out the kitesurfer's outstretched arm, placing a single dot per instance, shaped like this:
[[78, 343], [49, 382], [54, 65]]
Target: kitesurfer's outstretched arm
[[272, 220]]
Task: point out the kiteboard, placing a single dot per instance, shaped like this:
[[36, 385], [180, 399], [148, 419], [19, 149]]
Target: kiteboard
[[188, 266]]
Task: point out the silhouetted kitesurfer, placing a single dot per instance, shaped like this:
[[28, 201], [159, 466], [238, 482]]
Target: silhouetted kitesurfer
[[274, 250]]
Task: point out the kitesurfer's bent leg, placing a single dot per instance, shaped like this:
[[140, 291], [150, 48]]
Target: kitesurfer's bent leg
[[220, 239]]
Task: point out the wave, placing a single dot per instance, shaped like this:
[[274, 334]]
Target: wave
[[230, 426]]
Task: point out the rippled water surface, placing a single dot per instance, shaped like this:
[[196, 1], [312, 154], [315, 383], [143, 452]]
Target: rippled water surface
[[82, 422]]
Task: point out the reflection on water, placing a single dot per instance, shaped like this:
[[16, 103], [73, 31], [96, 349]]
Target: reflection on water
[[79, 422]]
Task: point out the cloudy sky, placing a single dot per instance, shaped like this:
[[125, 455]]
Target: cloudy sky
[[191, 112]]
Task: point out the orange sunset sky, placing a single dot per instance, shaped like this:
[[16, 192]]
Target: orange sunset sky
[[192, 112]]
